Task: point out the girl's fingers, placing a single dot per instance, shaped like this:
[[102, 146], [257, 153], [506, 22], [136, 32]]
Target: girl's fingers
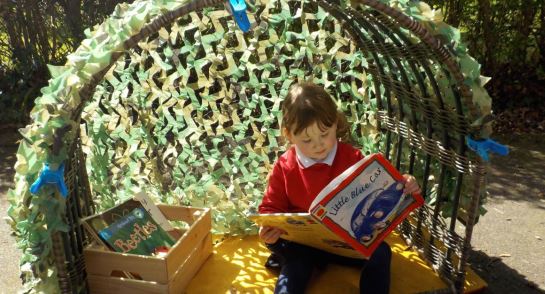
[[409, 189], [411, 186], [271, 238], [275, 236], [264, 232], [270, 235]]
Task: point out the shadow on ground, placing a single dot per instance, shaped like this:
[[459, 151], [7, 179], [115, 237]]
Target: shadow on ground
[[519, 176], [509, 240], [500, 277], [8, 148]]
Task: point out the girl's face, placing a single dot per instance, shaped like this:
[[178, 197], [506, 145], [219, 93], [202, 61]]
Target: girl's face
[[314, 142]]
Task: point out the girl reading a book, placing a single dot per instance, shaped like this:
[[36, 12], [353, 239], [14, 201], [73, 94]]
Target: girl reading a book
[[319, 134]]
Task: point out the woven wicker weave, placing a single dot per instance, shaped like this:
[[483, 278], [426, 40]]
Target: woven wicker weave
[[203, 98]]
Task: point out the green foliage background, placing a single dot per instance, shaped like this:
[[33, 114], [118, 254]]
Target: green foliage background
[[33, 34], [508, 39]]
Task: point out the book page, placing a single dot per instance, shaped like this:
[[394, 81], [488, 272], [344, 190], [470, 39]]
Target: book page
[[154, 211], [304, 229], [334, 184]]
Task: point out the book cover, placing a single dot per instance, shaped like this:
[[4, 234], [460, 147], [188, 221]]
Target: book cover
[[136, 233], [359, 208], [135, 226]]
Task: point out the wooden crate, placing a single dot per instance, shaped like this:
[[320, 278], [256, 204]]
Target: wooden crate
[[169, 274]]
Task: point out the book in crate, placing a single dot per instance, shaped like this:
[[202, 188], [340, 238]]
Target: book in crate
[[111, 272], [135, 226], [353, 213]]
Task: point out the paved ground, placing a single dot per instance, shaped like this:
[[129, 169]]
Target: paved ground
[[508, 242], [9, 254]]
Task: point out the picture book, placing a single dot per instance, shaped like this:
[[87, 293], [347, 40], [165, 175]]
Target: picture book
[[157, 215], [353, 213], [135, 226]]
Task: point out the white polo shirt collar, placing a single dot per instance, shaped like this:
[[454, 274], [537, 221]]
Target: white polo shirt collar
[[306, 162]]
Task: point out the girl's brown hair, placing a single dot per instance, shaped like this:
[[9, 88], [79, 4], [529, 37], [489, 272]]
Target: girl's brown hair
[[308, 103]]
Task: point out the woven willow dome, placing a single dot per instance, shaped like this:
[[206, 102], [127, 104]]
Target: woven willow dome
[[172, 98]]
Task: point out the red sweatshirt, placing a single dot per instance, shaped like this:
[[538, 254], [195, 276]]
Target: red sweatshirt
[[292, 188]]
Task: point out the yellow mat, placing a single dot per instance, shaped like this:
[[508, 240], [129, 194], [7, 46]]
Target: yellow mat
[[236, 266]]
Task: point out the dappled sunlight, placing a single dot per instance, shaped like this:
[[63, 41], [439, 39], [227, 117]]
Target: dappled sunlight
[[401, 250], [473, 281], [410, 273], [237, 266]]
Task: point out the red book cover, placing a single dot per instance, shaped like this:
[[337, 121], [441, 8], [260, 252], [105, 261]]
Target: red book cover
[[365, 203]]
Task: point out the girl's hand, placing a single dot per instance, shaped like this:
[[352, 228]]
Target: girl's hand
[[411, 186], [269, 234]]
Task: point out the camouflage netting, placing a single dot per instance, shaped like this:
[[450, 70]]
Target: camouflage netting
[[187, 109]]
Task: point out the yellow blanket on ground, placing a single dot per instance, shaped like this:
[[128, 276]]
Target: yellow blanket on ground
[[237, 266]]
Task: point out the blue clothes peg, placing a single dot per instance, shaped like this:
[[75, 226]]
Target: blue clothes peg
[[49, 176], [238, 9], [482, 147]]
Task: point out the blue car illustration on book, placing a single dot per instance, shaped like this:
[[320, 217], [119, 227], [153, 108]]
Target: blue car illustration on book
[[372, 213]]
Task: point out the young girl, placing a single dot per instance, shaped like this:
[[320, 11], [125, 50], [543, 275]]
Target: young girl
[[316, 130]]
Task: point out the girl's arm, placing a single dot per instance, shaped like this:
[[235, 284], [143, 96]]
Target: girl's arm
[[275, 199]]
